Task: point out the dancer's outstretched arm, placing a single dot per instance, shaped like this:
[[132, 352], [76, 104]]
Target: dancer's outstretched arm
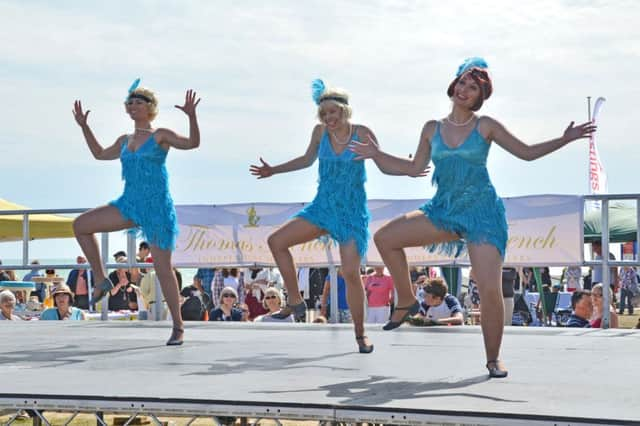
[[170, 138], [392, 165], [99, 153], [499, 134], [265, 170]]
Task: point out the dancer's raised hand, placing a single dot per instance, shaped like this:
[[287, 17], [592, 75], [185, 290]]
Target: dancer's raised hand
[[190, 103], [79, 115], [365, 150], [584, 130], [263, 171]]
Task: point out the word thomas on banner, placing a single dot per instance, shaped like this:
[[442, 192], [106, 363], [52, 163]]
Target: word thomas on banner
[[230, 245]]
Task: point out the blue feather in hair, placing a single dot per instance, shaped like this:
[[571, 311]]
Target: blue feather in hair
[[133, 86], [317, 89]]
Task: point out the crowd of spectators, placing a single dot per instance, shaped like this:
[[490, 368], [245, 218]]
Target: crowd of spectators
[[257, 294]]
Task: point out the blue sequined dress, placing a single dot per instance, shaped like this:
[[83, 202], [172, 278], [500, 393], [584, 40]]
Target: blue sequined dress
[[465, 202], [340, 206], [146, 200]]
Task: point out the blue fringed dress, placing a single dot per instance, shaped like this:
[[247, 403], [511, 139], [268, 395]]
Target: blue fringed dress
[[146, 200], [340, 206], [465, 202]]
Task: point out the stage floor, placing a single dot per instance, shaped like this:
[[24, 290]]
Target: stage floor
[[562, 376]]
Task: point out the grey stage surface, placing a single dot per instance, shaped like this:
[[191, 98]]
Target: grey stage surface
[[574, 375]]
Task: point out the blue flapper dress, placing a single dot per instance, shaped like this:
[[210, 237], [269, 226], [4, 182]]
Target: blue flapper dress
[[146, 200], [340, 206], [465, 202]]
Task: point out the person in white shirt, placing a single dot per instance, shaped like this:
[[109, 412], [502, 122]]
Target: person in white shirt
[[439, 307]]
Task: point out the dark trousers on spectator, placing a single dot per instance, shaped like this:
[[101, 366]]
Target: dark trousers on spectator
[[81, 302], [625, 301]]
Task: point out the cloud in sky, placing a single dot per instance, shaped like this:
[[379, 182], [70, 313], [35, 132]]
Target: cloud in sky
[[252, 63]]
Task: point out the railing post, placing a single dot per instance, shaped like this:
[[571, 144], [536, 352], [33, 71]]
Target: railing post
[[606, 273], [104, 314], [25, 239]]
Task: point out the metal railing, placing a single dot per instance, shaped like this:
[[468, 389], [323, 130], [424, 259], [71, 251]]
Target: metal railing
[[605, 263]]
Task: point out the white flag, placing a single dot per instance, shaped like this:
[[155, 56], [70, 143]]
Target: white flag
[[597, 175]]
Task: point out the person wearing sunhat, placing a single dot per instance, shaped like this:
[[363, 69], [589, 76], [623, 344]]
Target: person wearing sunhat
[[63, 306]]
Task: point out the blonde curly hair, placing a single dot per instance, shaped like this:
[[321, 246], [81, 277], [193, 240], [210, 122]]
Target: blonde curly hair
[[334, 93], [152, 106]]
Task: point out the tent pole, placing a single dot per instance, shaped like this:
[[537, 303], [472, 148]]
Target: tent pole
[[25, 239]]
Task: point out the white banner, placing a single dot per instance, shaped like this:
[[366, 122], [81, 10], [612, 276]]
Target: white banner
[[597, 175], [543, 231]]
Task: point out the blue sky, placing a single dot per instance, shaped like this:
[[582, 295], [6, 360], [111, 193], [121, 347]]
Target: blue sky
[[252, 63]]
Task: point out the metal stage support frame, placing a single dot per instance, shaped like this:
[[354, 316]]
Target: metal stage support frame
[[312, 372]]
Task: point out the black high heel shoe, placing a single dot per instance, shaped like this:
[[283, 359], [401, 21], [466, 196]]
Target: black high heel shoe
[[102, 290], [362, 348], [173, 340], [495, 371], [299, 312], [410, 311]]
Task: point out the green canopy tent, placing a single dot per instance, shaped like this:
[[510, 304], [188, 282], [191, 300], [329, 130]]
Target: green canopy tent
[[623, 226]]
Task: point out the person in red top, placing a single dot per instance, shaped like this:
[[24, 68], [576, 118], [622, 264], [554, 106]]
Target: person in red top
[[379, 289]]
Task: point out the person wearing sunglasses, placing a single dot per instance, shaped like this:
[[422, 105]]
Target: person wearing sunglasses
[[273, 303], [466, 213], [226, 310], [146, 204]]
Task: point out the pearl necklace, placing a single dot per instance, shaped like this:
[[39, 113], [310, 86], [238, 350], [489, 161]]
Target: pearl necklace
[[141, 129], [460, 124], [335, 137]]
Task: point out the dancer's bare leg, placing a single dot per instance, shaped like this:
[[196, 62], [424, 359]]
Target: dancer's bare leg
[[169, 284], [350, 267], [100, 219], [410, 230], [296, 231], [487, 269]]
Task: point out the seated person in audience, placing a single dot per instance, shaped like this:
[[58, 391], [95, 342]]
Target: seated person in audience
[[582, 309], [598, 308], [7, 305], [118, 295], [196, 289], [254, 298], [245, 312], [439, 307], [63, 306], [226, 310], [273, 303]]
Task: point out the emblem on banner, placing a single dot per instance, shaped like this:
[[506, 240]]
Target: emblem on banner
[[252, 218]]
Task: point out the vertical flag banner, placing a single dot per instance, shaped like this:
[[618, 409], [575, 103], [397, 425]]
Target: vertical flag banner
[[597, 175]]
